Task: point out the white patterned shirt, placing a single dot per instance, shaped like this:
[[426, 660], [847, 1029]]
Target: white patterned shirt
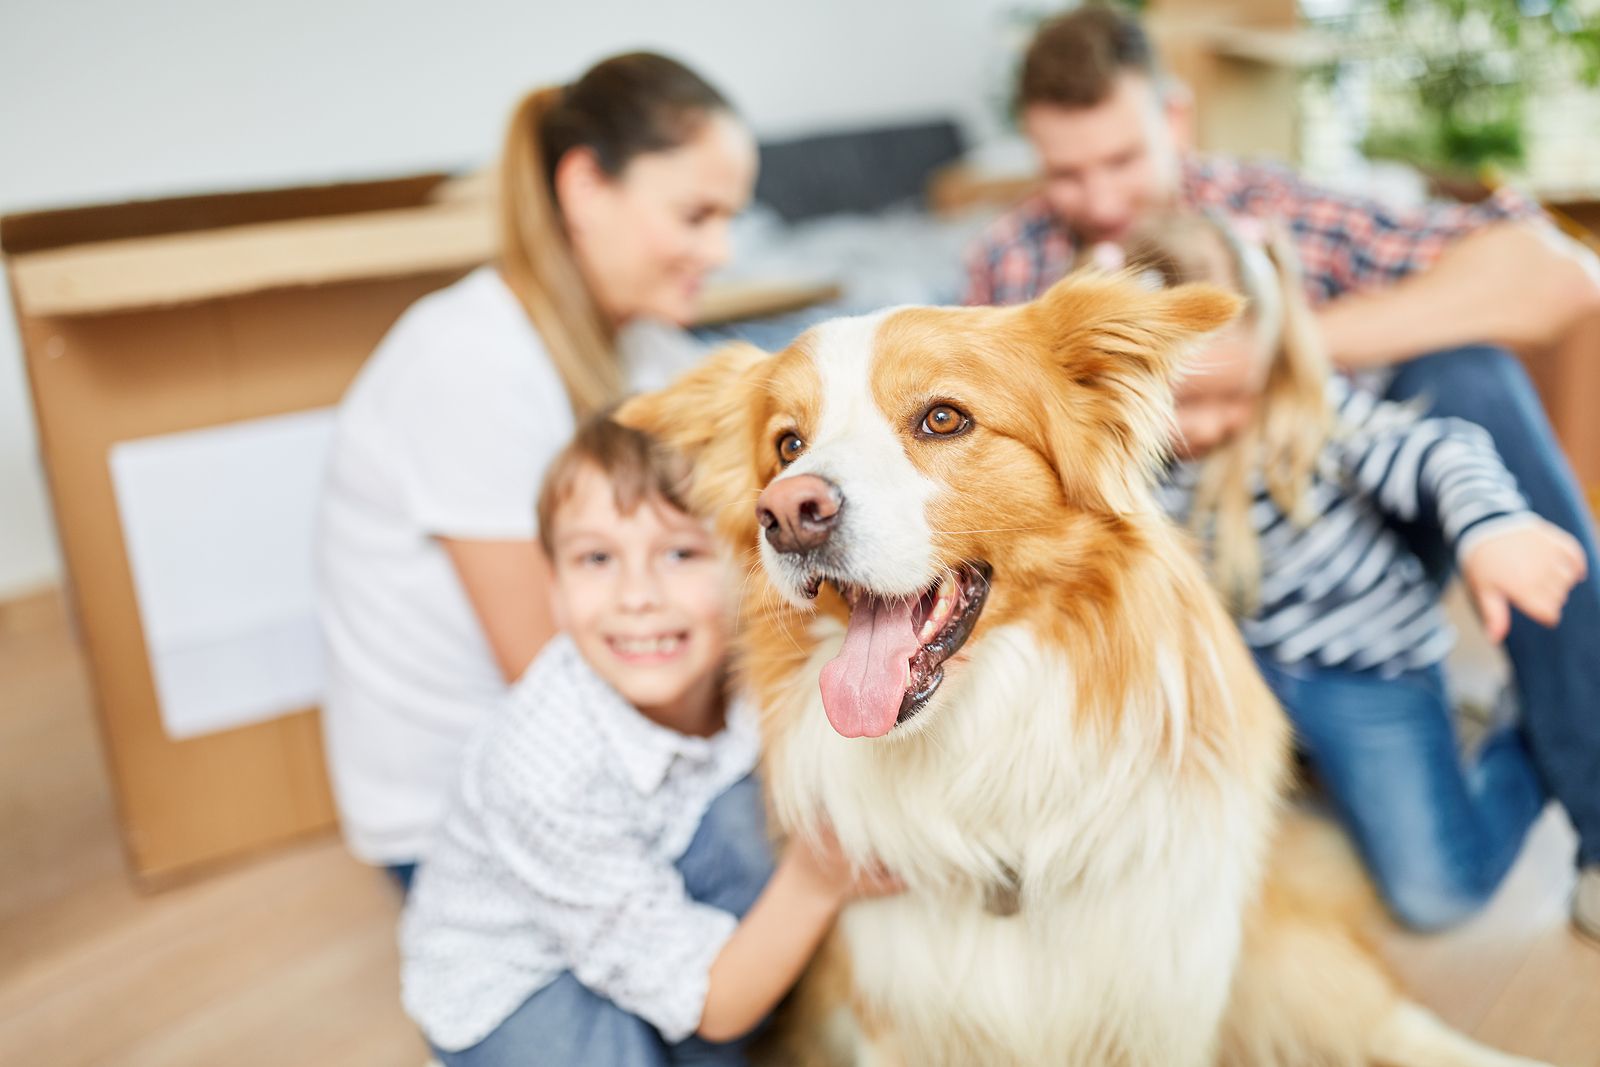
[[557, 854]]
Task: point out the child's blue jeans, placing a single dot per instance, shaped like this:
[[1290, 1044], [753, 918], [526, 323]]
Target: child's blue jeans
[[1437, 835], [564, 1024]]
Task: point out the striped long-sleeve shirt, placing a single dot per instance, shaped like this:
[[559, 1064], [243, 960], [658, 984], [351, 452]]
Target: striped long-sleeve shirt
[[1343, 590]]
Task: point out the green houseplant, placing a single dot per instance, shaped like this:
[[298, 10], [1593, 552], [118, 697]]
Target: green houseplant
[[1451, 79]]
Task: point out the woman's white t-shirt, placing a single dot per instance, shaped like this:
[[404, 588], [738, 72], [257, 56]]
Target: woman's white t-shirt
[[446, 432]]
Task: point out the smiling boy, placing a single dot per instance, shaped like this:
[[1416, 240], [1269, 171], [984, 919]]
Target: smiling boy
[[602, 890]]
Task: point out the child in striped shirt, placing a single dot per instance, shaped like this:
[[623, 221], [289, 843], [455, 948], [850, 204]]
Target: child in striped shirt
[[1298, 486]]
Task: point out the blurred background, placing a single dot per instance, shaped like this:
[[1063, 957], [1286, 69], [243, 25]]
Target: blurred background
[[172, 899], [111, 102]]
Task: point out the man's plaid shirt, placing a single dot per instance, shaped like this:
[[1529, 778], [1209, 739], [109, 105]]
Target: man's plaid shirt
[[1346, 243]]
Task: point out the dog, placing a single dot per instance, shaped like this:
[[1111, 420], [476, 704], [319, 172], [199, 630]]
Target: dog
[[985, 658]]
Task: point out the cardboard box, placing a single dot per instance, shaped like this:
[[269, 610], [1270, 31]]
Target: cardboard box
[[1242, 60], [1567, 374], [145, 319]]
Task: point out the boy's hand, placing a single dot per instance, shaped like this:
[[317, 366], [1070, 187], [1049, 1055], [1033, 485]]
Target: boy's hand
[[1532, 567], [831, 871], [782, 930]]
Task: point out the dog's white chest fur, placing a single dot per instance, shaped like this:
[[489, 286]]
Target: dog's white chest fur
[[1133, 872]]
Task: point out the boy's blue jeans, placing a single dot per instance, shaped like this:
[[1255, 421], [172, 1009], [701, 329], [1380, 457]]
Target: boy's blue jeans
[[1557, 669], [726, 865], [1437, 836]]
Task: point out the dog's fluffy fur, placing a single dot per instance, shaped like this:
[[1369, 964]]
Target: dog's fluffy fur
[[1101, 747]]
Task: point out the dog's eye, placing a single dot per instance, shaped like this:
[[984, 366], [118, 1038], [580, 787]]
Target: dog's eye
[[942, 420], [789, 448]]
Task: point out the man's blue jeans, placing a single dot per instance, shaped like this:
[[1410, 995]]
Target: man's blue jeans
[[726, 865], [1437, 836], [1557, 669]]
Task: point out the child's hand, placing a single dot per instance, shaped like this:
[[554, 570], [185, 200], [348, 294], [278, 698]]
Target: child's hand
[[1532, 567], [830, 869]]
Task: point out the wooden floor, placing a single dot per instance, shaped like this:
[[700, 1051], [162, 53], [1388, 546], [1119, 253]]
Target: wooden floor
[[290, 959]]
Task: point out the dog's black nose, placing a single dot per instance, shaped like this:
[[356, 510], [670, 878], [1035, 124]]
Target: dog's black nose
[[798, 513]]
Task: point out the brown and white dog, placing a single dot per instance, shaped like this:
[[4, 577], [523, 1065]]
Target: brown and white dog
[[986, 659]]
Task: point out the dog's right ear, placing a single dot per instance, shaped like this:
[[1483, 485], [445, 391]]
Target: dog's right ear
[[702, 405], [1116, 348], [709, 415]]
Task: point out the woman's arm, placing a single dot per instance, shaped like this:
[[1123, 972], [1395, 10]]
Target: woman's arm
[[1517, 283], [508, 585], [780, 933]]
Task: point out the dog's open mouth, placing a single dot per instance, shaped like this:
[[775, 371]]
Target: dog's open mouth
[[894, 651]]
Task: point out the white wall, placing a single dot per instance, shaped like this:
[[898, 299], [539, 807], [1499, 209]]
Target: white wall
[[107, 100]]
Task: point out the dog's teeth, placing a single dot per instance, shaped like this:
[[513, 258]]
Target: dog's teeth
[[936, 619]]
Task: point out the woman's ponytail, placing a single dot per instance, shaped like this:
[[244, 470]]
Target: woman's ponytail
[[538, 265], [620, 108]]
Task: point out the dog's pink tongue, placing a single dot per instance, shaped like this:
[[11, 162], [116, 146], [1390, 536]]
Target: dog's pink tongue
[[863, 685]]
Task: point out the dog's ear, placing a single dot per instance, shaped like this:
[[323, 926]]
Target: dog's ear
[[693, 411], [1116, 348], [709, 415], [1109, 324]]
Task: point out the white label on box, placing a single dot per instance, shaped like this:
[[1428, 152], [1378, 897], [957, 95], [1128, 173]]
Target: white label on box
[[219, 526]]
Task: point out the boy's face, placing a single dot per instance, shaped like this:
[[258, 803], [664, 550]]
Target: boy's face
[[645, 598]]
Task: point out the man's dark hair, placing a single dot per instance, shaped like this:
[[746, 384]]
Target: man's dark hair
[[1074, 59]]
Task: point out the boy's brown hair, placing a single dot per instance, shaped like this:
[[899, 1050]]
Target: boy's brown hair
[[638, 467], [1074, 59]]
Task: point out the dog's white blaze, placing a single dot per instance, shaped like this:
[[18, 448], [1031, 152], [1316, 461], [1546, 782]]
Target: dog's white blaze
[[883, 524]]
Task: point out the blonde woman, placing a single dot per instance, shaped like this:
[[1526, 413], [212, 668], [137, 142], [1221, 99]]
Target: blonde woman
[[1294, 484], [615, 194]]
